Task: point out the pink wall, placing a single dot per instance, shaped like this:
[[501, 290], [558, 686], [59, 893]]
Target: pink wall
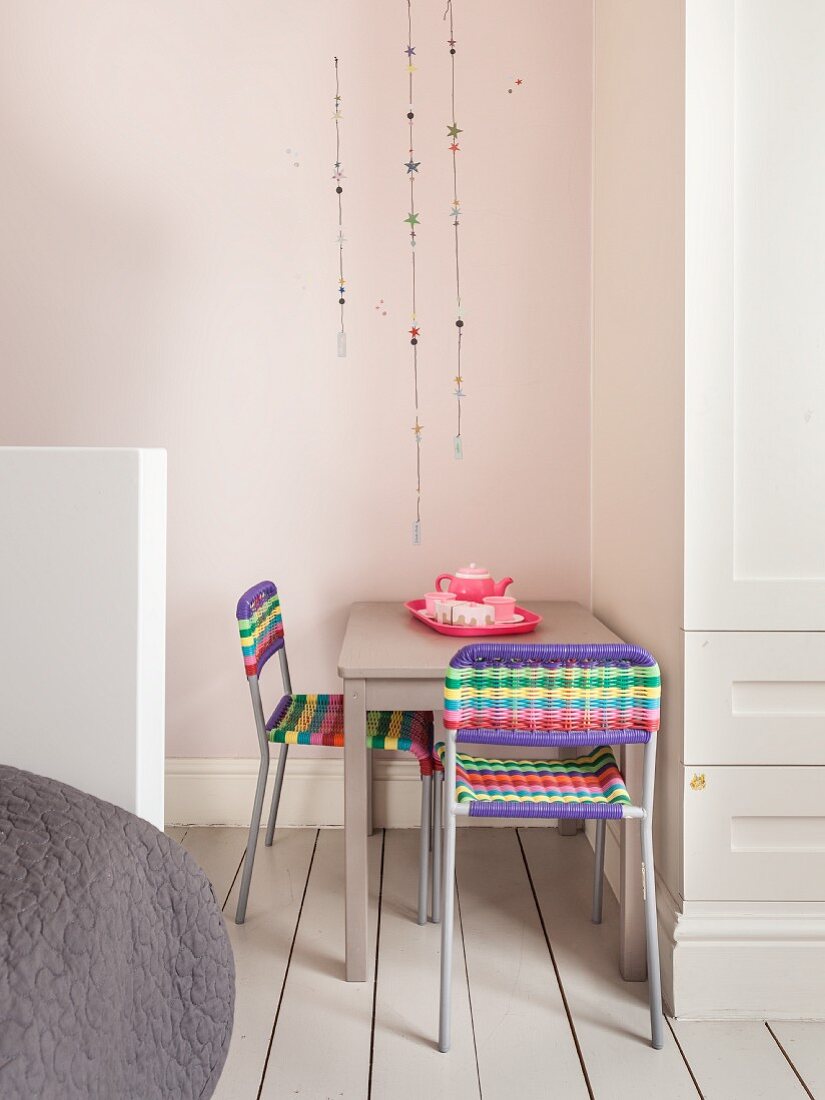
[[168, 279]]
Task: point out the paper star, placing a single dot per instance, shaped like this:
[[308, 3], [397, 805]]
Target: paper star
[[418, 428], [519, 81], [414, 331], [411, 69], [455, 147], [459, 392], [410, 50], [458, 380], [337, 165], [343, 282], [450, 41], [337, 116], [341, 239], [412, 219], [337, 99], [412, 165], [338, 175], [453, 131]]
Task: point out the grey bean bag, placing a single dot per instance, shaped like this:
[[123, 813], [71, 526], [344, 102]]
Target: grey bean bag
[[117, 979]]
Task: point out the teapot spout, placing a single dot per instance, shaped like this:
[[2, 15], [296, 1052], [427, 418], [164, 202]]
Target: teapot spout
[[502, 585]]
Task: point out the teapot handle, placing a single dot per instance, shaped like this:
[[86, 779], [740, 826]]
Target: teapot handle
[[442, 577]]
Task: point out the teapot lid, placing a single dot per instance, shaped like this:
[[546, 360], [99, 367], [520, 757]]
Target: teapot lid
[[477, 572]]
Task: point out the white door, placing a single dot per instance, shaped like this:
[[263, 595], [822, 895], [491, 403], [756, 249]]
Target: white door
[[755, 315]]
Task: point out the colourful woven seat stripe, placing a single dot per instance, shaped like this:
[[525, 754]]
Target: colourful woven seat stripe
[[586, 785], [319, 720], [555, 689], [260, 626]]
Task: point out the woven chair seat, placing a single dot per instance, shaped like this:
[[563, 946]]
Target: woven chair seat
[[319, 720], [587, 786]]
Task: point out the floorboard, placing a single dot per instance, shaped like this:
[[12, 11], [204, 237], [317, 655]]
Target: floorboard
[[406, 1063], [737, 1060], [610, 1015], [321, 1044], [219, 850], [377, 1041], [262, 947], [804, 1044], [522, 1030]]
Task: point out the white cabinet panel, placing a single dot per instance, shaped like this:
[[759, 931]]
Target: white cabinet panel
[[754, 698], [83, 619], [779, 287], [754, 327], [754, 834]]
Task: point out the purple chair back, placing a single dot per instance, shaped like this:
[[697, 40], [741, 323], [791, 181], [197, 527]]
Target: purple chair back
[[552, 694], [260, 626]]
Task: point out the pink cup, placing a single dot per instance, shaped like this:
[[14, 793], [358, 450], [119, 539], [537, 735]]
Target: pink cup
[[504, 607], [431, 597]]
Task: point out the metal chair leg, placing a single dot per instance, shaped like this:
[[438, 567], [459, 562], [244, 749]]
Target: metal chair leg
[[249, 859], [598, 871], [438, 842], [447, 917], [424, 848], [276, 795], [654, 977]]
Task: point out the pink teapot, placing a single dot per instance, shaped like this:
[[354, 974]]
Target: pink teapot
[[472, 582]]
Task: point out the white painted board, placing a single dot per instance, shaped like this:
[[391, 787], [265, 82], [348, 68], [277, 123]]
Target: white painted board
[[82, 619]]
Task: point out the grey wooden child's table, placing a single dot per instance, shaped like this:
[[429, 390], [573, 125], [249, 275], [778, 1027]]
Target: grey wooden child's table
[[389, 661]]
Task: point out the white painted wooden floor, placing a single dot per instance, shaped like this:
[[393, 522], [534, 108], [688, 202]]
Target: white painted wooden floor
[[540, 1009]]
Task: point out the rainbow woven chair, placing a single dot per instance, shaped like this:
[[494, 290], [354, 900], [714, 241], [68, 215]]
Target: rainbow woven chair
[[550, 695], [317, 720]]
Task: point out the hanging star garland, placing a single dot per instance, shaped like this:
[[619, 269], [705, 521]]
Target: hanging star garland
[[337, 176], [412, 166], [453, 130]]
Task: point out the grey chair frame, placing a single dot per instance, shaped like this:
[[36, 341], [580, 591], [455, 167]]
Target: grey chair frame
[[644, 813], [260, 790]]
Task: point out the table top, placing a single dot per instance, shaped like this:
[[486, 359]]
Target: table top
[[384, 641]]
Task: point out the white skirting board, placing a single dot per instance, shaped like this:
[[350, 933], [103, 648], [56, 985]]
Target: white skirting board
[[734, 960], [743, 960], [213, 791]]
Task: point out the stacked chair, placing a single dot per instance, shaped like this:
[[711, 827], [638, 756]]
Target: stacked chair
[[316, 720], [569, 696]]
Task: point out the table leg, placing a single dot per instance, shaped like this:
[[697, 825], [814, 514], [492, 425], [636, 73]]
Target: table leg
[[355, 827], [632, 960], [370, 826]]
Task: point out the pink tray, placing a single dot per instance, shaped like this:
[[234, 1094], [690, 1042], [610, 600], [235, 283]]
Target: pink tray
[[531, 621]]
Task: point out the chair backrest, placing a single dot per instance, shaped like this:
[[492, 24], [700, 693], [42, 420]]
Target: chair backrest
[[552, 694], [260, 626]]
